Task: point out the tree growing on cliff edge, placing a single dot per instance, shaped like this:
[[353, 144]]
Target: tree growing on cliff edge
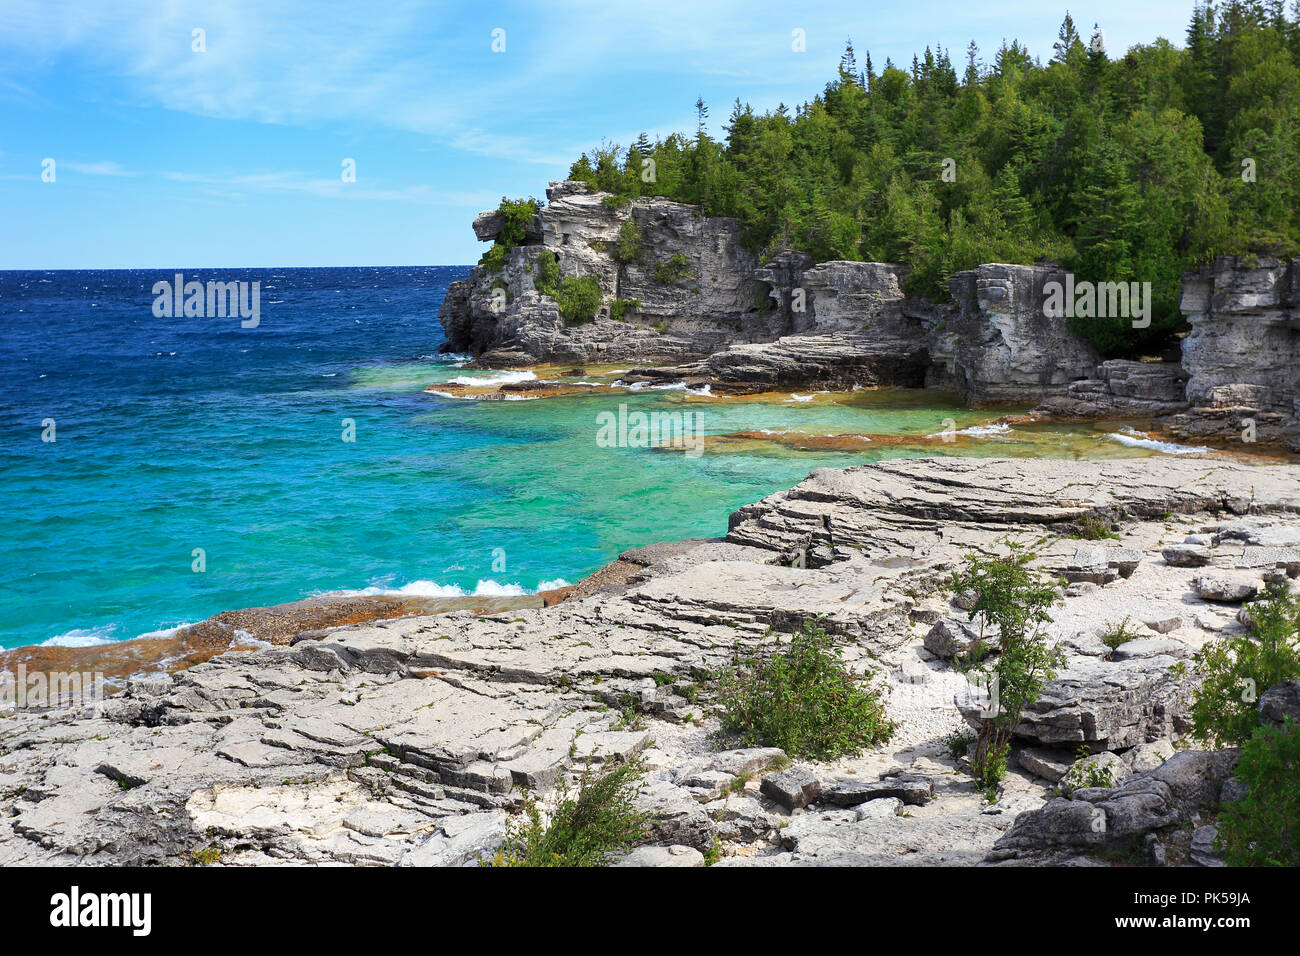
[[1122, 167]]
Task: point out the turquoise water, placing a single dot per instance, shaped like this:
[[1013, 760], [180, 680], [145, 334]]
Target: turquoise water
[[181, 434]]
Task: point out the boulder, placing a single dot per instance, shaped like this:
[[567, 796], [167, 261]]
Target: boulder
[[670, 856], [1105, 770], [1280, 702], [1149, 755], [1284, 559], [1095, 819], [953, 636], [1108, 705], [1227, 588], [1186, 555], [793, 788], [1202, 852], [911, 789], [1046, 762]]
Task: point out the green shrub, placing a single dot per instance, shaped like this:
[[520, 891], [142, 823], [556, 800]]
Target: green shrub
[[1081, 775], [579, 299], [628, 247], [674, 270], [620, 307], [586, 829], [518, 213], [801, 698], [1262, 828], [495, 258], [1093, 528], [1236, 670], [959, 743], [1012, 601], [548, 273], [1117, 634]]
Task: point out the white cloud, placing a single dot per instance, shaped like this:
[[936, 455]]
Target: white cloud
[[235, 186], [104, 167]]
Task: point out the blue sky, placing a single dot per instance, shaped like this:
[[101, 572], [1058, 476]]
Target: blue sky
[[167, 157]]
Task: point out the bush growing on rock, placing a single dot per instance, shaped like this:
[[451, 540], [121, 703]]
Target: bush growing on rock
[[1012, 601], [628, 247], [619, 308], [548, 273], [586, 828], [1262, 827], [672, 271], [579, 299], [1236, 670], [801, 698], [516, 213]]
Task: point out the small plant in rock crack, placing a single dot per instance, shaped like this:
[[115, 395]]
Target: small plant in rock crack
[[1236, 670], [1093, 528], [1081, 776], [959, 743], [800, 697], [586, 828], [1012, 600], [1116, 634]]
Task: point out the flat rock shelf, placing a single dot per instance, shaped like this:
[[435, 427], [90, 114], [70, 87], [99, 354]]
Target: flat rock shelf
[[409, 741]]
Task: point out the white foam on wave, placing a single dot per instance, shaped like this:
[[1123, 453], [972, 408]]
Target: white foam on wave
[[484, 588], [165, 632], [977, 431], [1136, 439], [243, 638], [494, 378], [83, 637]]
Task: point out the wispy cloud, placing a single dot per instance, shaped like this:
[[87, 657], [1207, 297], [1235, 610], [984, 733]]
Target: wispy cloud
[[236, 186], [104, 167]]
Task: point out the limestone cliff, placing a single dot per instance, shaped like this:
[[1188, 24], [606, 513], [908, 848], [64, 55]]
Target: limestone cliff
[[698, 307], [996, 345], [1242, 355], [689, 310]]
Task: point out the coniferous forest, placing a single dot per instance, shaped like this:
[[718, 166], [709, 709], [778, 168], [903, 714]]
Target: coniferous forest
[[1121, 166]]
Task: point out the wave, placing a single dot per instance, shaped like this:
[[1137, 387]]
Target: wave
[[164, 632], [494, 378], [977, 431], [1137, 439], [484, 588], [83, 637]]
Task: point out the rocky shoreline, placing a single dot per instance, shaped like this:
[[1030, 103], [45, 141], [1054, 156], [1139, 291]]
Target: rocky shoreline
[[408, 741], [695, 306]]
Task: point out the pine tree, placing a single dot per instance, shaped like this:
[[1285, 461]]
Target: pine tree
[[1067, 42]]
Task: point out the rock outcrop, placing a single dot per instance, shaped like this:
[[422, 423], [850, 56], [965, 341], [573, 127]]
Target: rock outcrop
[[1242, 355], [1122, 387], [1095, 819], [998, 346], [694, 292], [696, 306], [706, 301]]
